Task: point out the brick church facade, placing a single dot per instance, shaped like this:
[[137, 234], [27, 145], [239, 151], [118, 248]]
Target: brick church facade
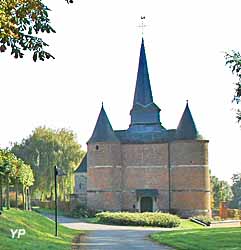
[[145, 167]]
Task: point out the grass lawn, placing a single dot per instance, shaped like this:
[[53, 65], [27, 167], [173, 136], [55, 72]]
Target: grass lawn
[[39, 232], [187, 224], [202, 239], [61, 213]]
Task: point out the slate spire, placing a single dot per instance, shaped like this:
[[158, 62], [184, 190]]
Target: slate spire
[[103, 131], [145, 115], [143, 93], [186, 128]]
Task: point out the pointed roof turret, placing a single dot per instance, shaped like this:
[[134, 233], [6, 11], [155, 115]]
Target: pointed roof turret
[[143, 93], [82, 168], [103, 131], [186, 128]]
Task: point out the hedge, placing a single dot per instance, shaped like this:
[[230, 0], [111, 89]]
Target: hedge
[[155, 219]]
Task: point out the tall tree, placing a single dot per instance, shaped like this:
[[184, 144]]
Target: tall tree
[[13, 171], [221, 191], [236, 188], [233, 60], [7, 161], [26, 178], [44, 149]]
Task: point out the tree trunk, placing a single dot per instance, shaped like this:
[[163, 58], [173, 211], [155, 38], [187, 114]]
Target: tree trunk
[[63, 189], [7, 192], [42, 196], [23, 195], [1, 193], [29, 200], [26, 199], [16, 190]]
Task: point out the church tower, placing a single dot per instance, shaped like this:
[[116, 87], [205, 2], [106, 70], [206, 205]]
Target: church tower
[[189, 172], [104, 166], [147, 167]]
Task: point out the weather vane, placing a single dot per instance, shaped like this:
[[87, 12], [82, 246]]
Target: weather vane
[[142, 25]]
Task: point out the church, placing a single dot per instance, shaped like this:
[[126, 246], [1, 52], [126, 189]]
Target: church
[[145, 167]]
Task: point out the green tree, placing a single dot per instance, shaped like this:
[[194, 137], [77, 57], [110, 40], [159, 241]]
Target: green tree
[[5, 169], [21, 21], [26, 178], [44, 149], [13, 171], [233, 60], [236, 188], [221, 191]]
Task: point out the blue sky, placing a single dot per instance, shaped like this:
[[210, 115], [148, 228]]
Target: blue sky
[[97, 48]]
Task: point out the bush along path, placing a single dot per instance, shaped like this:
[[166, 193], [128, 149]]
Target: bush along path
[[156, 219]]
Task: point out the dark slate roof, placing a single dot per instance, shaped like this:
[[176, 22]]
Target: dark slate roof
[[143, 93], [126, 136], [149, 107], [186, 128], [103, 131], [144, 111], [82, 168]]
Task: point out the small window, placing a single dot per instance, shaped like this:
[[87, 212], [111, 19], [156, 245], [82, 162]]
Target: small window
[[97, 147], [80, 186]]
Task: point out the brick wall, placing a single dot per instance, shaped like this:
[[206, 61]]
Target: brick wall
[[145, 166], [104, 200], [104, 176], [190, 183], [115, 172]]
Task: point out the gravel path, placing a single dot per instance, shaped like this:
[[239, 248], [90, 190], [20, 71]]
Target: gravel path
[[108, 237]]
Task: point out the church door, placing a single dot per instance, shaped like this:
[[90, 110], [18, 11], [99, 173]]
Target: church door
[[146, 204]]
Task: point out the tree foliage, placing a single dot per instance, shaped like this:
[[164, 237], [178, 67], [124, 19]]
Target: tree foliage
[[13, 171], [44, 149], [221, 191], [21, 21], [233, 60], [236, 188]]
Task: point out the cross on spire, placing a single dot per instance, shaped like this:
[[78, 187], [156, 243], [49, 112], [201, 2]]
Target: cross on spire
[[142, 25]]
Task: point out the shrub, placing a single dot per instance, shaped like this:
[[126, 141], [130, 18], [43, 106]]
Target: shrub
[[216, 218], [155, 219], [234, 214], [204, 219], [79, 211]]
